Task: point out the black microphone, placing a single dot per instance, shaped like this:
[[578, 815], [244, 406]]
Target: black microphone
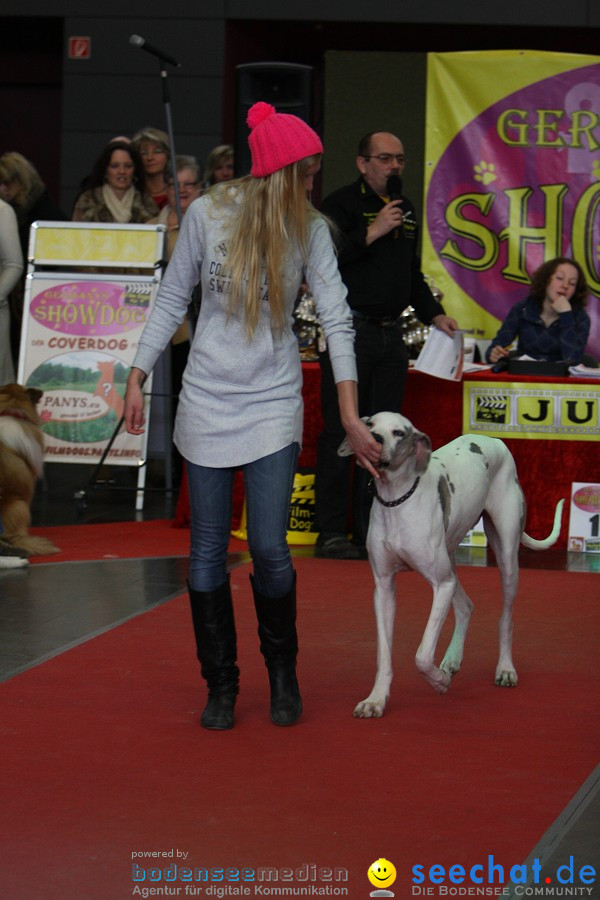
[[393, 189], [138, 41]]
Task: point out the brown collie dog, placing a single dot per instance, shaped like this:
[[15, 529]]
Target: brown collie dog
[[21, 459]]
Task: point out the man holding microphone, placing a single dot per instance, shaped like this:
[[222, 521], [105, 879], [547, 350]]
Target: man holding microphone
[[377, 243]]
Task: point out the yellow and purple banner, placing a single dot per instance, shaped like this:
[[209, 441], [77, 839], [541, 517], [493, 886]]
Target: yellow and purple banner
[[512, 178]]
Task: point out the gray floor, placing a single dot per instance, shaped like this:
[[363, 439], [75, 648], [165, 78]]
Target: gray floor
[[48, 608]]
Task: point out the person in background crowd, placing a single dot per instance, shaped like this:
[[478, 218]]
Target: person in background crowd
[[380, 266], [241, 402], [551, 323], [21, 186], [11, 267], [115, 192], [187, 173], [152, 145], [218, 166]]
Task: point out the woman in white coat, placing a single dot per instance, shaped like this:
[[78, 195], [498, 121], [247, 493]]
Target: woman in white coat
[[11, 267]]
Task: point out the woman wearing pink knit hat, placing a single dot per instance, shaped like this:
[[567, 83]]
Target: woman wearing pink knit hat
[[250, 243]]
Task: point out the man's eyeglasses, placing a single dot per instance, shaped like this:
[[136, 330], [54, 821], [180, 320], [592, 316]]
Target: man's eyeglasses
[[388, 157]]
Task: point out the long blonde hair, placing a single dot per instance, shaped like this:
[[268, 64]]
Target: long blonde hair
[[270, 214]]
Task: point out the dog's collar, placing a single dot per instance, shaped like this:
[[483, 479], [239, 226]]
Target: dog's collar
[[373, 491], [14, 413]]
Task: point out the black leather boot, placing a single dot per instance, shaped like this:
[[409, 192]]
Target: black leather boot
[[279, 646], [214, 628]]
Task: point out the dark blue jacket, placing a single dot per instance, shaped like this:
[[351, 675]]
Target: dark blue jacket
[[564, 340]]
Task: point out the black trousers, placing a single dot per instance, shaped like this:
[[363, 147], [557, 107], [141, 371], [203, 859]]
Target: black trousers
[[382, 364]]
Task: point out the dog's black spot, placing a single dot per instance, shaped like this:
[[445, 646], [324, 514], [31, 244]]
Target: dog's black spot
[[445, 501], [523, 516], [475, 448]]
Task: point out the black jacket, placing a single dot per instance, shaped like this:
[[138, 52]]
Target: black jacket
[[384, 277]]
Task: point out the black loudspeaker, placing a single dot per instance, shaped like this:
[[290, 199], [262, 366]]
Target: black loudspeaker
[[286, 86]]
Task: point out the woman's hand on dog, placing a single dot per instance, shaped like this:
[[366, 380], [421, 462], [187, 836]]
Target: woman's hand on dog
[[362, 443], [366, 449], [134, 402]]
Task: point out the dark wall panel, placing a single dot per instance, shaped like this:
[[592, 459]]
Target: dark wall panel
[[374, 92], [31, 92]]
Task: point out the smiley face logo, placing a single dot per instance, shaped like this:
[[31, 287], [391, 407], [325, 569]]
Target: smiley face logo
[[382, 873]]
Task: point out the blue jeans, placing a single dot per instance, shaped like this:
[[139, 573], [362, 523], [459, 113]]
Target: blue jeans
[[268, 486]]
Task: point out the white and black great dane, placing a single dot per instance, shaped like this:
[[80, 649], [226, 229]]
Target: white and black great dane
[[423, 506]]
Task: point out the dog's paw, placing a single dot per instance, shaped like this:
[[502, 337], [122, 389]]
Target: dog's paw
[[506, 678], [437, 678], [368, 709], [450, 666], [440, 681]]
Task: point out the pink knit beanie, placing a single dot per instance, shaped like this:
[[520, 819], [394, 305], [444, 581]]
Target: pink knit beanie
[[278, 139]]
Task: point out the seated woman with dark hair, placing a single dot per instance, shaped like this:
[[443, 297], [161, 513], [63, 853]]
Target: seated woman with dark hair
[[551, 323], [115, 191]]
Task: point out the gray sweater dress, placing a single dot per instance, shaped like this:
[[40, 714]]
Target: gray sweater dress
[[242, 399]]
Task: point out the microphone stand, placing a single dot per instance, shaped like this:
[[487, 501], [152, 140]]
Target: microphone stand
[[166, 357], [167, 105]]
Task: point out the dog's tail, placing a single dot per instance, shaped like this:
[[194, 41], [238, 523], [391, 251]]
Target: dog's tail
[[34, 545], [552, 537]]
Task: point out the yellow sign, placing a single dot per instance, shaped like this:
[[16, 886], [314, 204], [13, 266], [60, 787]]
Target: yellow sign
[[302, 513], [84, 243], [558, 412]]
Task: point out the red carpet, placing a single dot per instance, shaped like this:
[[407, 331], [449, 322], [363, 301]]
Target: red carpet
[[119, 540], [102, 755]]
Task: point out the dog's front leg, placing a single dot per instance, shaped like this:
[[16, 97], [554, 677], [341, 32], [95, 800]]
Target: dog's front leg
[[463, 607], [385, 611], [442, 598]]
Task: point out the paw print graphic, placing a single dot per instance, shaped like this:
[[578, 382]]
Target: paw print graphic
[[596, 169], [485, 172]]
